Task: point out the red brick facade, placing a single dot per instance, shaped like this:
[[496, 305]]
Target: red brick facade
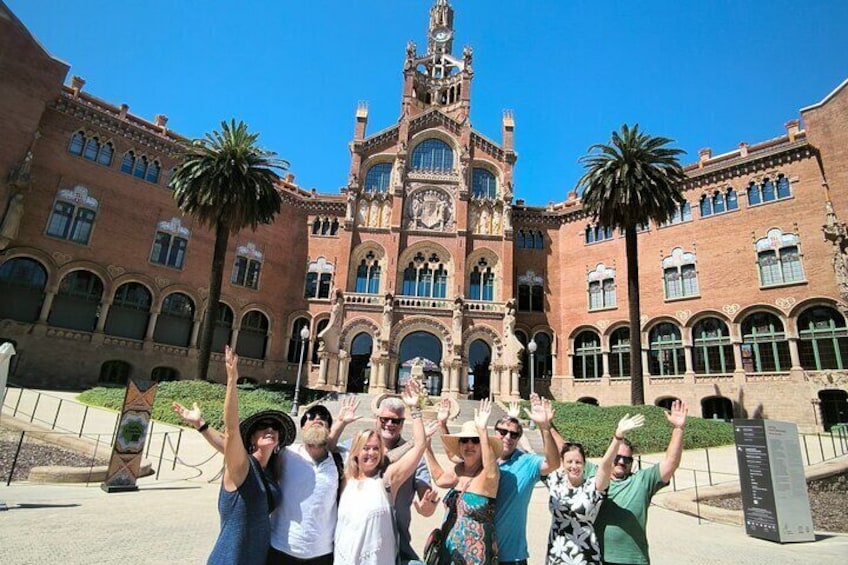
[[425, 240]]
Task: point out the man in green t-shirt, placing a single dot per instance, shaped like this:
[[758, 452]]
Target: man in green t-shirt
[[621, 523]]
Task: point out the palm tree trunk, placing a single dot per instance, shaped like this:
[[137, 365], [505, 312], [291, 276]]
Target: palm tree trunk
[[216, 274], [637, 386]]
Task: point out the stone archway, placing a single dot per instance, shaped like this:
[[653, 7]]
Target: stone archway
[[359, 369], [339, 369], [479, 369], [449, 367], [426, 347]]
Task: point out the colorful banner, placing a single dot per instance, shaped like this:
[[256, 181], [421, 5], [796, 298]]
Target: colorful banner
[[125, 464]]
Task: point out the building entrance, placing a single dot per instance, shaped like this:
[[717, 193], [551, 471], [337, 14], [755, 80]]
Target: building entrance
[[479, 374], [359, 370], [429, 348]]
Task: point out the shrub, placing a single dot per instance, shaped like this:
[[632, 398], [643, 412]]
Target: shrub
[[209, 396]]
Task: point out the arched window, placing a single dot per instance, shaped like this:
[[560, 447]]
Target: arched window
[[368, 275], [175, 322], [322, 325], [115, 372], [544, 356], [765, 191], [779, 258], [619, 360], [531, 292], [316, 226], [768, 190], [519, 240], [706, 206], [730, 198], [525, 357], [77, 143], [538, 240], [163, 374], [77, 304], [666, 402], [783, 189], [128, 163], [823, 339], [170, 243], [425, 277], [73, 215], [22, 282], [596, 233], [334, 227], [378, 177], [92, 148], [764, 344], [223, 328], [247, 266], [712, 352], [319, 278], [153, 172], [679, 275], [683, 213], [601, 287], [105, 155], [295, 342], [481, 284], [717, 408], [587, 356], [130, 311], [665, 356], [325, 226], [140, 167], [253, 335], [483, 184], [432, 155]]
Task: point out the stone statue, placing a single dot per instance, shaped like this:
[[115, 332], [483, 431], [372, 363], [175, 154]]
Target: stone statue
[[12, 221], [484, 220], [456, 319], [387, 313], [496, 222], [512, 345], [374, 215], [362, 220], [472, 219], [351, 203], [328, 339], [507, 217]]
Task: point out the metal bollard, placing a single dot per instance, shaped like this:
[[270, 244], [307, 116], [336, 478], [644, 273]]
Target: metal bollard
[[709, 471], [161, 455], [56, 417], [18, 402], [821, 446], [697, 498], [177, 449], [15, 459], [34, 408], [806, 450], [84, 416]]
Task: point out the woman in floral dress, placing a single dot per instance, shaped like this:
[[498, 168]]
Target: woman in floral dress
[[469, 526], [575, 502]]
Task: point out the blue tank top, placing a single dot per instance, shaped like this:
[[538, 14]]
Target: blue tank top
[[245, 529]]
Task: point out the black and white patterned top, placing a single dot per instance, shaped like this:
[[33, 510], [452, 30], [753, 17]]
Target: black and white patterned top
[[572, 538]]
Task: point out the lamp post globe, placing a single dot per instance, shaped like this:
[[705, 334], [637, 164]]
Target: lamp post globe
[[304, 337], [531, 348]]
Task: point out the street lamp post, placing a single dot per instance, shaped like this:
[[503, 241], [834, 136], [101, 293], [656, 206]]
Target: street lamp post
[[532, 347], [304, 336]]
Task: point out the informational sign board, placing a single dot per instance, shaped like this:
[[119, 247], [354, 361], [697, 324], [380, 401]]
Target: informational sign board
[[125, 464], [771, 473]]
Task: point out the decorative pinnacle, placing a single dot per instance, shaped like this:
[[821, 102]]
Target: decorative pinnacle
[[362, 109], [508, 119]]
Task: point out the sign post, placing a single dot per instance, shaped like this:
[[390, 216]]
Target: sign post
[[774, 488], [125, 463]]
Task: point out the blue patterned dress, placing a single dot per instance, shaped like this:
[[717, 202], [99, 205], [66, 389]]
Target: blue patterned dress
[[470, 537]]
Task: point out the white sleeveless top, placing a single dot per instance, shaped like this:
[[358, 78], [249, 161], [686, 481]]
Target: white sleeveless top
[[365, 533]]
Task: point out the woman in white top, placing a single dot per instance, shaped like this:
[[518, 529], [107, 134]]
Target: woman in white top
[[365, 531]]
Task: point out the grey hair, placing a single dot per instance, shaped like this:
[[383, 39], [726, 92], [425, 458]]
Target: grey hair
[[393, 404], [511, 420]]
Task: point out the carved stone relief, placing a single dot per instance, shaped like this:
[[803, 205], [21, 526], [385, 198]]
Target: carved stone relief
[[730, 309], [786, 303], [374, 211], [487, 217], [430, 209]]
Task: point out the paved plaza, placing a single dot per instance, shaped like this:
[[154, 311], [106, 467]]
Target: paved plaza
[[173, 519]]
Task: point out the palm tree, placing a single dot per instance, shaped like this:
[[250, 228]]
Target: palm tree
[[227, 182], [634, 179]]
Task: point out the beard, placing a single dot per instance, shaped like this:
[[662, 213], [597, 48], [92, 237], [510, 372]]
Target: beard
[[315, 436]]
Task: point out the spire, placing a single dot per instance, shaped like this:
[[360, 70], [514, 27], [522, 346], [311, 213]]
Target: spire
[[440, 29]]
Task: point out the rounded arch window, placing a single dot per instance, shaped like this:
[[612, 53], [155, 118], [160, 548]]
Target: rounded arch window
[[712, 352], [823, 339], [666, 355], [378, 177], [764, 344], [22, 282], [432, 155], [223, 326], [174, 324], [483, 184], [77, 304], [130, 311], [543, 355], [295, 341], [253, 335], [619, 359], [587, 356]]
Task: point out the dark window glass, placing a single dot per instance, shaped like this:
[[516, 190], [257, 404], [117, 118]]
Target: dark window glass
[[77, 144], [153, 172], [92, 147], [432, 155], [378, 177], [105, 155], [483, 184], [60, 220], [128, 163]]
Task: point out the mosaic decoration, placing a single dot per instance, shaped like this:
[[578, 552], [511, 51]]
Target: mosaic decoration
[[128, 450]]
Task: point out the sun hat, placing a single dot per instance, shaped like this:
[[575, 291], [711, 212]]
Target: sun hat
[[469, 429], [282, 422]]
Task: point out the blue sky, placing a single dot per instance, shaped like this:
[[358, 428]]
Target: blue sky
[[707, 74]]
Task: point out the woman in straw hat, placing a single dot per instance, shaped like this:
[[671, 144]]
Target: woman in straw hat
[[249, 489], [469, 527], [575, 501], [365, 530]]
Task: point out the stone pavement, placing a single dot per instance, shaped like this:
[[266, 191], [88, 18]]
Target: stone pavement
[[174, 519]]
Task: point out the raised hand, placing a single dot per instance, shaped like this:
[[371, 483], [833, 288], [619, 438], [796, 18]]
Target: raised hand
[[677, 416], [430, 429], [191, 417], [540, 411], [444, 410], [231, 360], [428, 503], [513, 409], [347, 410], [482, 414], [629, 423], [411, 394]]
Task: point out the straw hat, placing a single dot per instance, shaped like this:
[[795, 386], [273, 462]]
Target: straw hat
[[469, 429], [281, 421]]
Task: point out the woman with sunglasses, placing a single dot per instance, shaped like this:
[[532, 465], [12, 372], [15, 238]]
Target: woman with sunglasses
[[575, 501], [249, 489], [468, 531], [365, 530]]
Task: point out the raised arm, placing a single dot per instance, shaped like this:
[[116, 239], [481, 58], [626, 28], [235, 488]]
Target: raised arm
[[674, 451], [542, 413], [443, 414], [602, 477], [403, 468], [235, 454], [441, 478], [346, 415], [481, 420], [194, 418]]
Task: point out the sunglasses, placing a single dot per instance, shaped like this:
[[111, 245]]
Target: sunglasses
[[262, 424], [627, 460], [474, 440], [395, 421], [315, 416], [512, 434]]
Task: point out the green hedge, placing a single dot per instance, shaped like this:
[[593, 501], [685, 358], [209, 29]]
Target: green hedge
[[210, 397], [593, 426]]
